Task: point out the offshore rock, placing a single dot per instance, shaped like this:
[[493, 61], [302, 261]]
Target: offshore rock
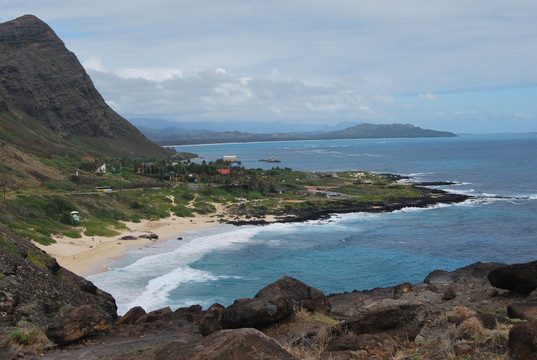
[[300, 294], [240, 344], [74, 324], [521, 278]]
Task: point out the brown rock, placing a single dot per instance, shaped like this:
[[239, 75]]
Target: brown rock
[[132, 316], [524, 311], [211, 321], [523, 340], [256, 312], [155, 315], [300, 294], [74, 324], [404, 321], [237, 344]]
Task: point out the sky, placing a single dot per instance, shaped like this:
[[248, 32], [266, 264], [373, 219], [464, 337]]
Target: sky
[[452, 65]]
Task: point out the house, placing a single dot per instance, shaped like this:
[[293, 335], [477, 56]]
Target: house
[[230, 158], [101, 169], [223, 171]]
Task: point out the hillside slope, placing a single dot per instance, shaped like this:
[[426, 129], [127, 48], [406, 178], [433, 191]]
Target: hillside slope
[[48, 103]]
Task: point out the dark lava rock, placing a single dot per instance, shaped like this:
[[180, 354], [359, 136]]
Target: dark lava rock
[[128, 237], [239, 344], [522, 340], [73, 324], [300, 294], [211, 321], [131, 316], [149, 236], [404, 321], [256, 313], [521, 278]]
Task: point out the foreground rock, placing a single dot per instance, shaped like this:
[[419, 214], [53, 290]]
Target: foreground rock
[[521, 278], [73, 324], [403, 321], [523, 340], [240, 344], [300, 294], [34, 288], [256, 312]]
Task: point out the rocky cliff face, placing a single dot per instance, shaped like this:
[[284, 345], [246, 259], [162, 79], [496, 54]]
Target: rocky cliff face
[[40, 78]]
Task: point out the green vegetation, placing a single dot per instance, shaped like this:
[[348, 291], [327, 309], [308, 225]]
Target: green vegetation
[[21, 337], [157, 188]]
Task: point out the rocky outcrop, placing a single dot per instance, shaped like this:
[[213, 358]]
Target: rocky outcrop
[[403, 321], [212, 320], [73, 324], [521, 278], [240, 344], [34, 288], [256, 313], [132, 316], [300, 294], [39, 77], [361, 345]]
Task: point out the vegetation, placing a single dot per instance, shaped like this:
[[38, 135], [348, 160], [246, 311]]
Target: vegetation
[[155, 188]]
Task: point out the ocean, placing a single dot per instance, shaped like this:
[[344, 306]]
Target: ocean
[[349, 251]]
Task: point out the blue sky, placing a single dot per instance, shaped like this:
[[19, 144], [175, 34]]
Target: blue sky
[[447, 65]]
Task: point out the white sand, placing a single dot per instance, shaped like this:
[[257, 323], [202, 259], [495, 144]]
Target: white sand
[[91, 255]]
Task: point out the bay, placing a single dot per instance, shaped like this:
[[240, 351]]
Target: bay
[[350, 251]]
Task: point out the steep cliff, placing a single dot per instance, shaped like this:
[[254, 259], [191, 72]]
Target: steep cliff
[[47, 96]]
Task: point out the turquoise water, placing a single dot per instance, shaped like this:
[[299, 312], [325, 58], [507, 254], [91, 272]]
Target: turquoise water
[[350, 251]]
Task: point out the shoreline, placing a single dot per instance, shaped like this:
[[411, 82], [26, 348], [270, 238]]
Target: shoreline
[[91, 255]]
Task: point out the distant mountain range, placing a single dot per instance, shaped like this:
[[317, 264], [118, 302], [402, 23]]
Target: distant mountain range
[[179, 136]]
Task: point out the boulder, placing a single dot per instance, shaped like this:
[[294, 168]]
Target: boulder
[[522, 340], [150, 236], [256, 313], [131, 316], [404, 321], [300, 294], [521, 278], [76, 323], [211, 321], [154, 315], [236, 344], [524, 311]]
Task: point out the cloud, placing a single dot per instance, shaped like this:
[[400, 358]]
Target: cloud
[[341, 60], [428, 97]]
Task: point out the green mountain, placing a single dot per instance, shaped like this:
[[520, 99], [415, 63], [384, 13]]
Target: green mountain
[[49, 105]]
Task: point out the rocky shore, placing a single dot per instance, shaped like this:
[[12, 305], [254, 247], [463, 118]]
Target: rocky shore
[[481, 311], [430, 197]]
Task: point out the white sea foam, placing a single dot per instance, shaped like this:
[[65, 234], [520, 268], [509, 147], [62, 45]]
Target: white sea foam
[[149, 280]]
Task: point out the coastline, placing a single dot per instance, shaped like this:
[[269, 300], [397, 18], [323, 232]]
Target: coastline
[[91, 255]]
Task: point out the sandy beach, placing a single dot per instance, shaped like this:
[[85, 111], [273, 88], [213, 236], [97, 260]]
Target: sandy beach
[[91, 255]]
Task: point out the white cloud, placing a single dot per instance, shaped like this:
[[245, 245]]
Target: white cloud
[[343, 57], [428, 97]]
